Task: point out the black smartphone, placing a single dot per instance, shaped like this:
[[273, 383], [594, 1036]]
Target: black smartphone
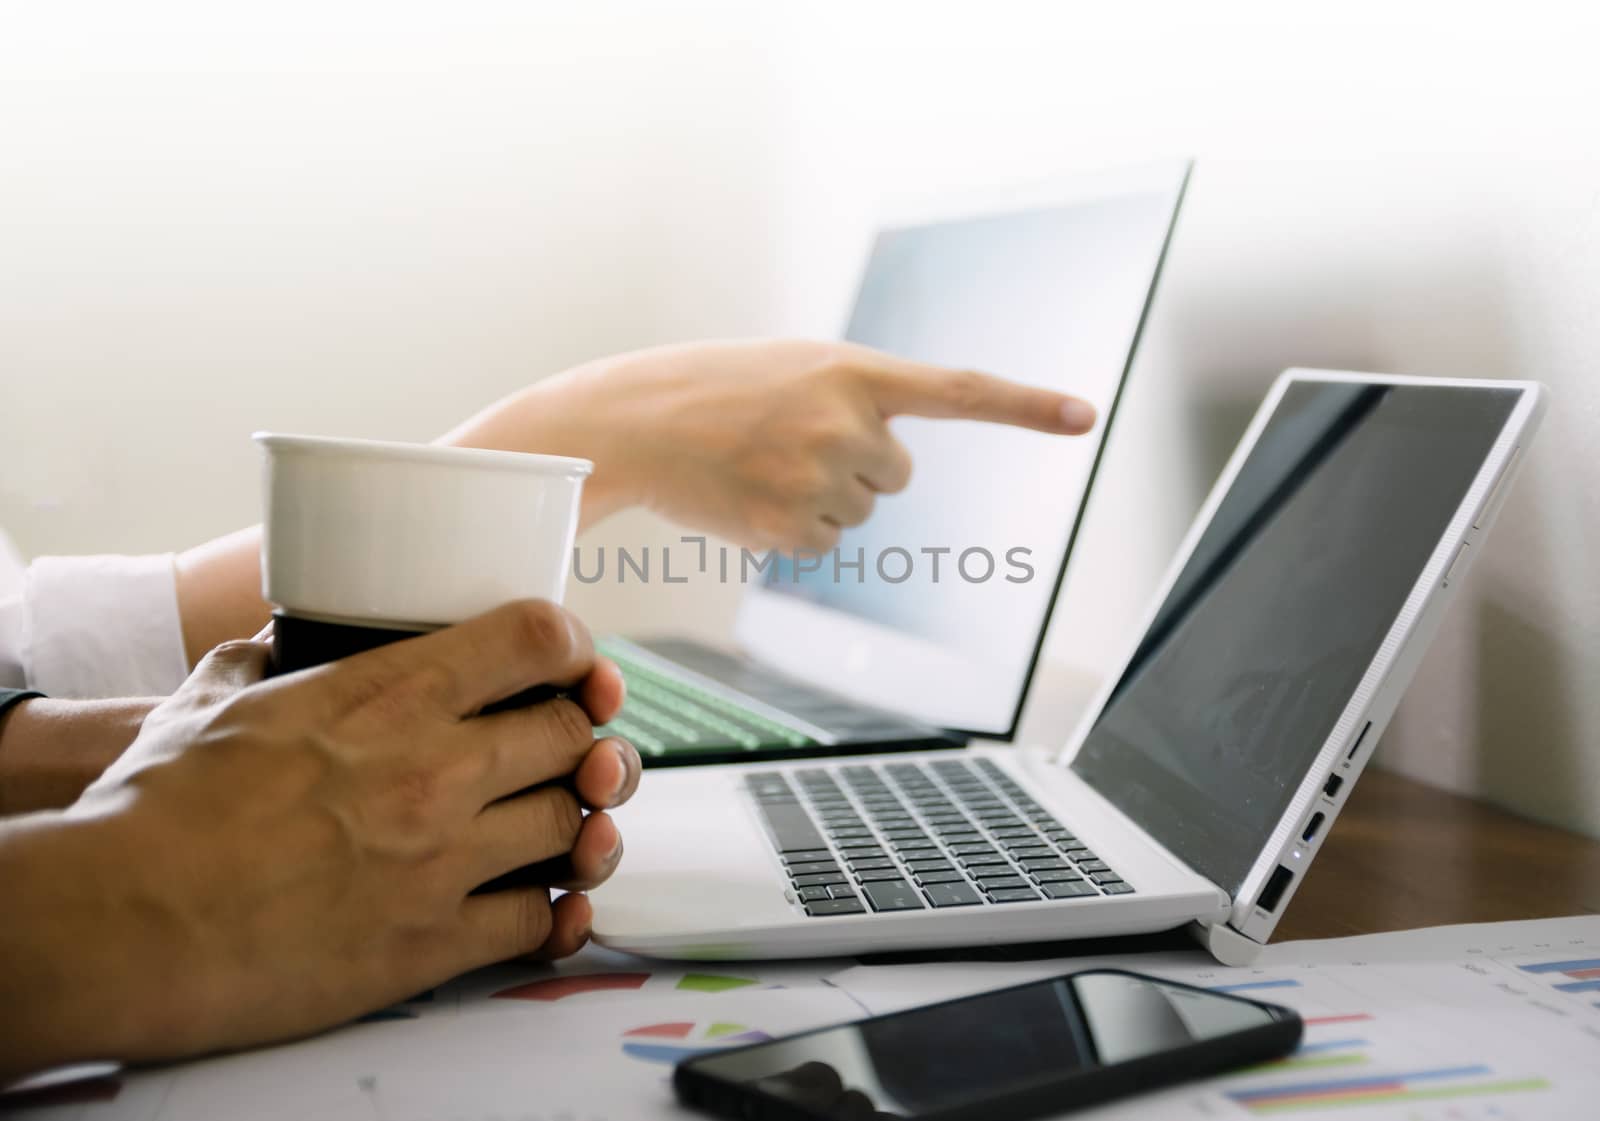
[[1041, 1048]]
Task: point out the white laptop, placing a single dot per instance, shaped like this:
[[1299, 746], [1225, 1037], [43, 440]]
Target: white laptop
[[923, 626], [1203, 780]]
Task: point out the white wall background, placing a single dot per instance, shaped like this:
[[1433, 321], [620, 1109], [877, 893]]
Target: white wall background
[[371, 219]]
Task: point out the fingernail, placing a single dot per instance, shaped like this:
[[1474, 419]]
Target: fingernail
[[629, 758], [1077, 414]]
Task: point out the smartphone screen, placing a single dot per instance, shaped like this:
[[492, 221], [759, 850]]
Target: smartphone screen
[[944, 1057]]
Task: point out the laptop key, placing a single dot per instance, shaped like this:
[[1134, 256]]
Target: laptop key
[[1054, 875], [1117, 888], [1013, 895], [896, 895], [1030, 852], [1093, 866], [991, 883], [851, 906], [870, 864], [1047, 864], [979, 865], [950, 876], [1106, 877], [1074, 890], [812, 868], [806, 856], [930, 864], [821, 879], [952, 895], [976, 848], [878, 875], [812, 894]]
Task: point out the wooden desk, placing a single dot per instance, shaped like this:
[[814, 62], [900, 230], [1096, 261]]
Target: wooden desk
[[1404, 854]]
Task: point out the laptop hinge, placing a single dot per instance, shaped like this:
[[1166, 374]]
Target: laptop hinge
[[1226, 944]]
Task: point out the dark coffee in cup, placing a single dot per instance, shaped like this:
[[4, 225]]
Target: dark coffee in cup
[[299, 643], [302, 643]]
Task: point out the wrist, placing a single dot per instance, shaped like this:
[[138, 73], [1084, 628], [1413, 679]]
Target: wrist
[[50, 750], [68, 989], [569, 415]]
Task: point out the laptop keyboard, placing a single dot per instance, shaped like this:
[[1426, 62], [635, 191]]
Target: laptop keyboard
[[665, 715], [909, 836]]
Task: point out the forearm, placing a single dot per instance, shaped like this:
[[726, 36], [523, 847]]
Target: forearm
[[68, 961], [563, 415], [50, 750], [219, 592]]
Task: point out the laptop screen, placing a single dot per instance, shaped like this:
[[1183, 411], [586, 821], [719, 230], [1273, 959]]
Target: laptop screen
[[1276, 615], [956, 574]]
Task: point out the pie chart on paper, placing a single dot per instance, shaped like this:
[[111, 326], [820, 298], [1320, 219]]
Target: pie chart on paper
[[677, 1040]]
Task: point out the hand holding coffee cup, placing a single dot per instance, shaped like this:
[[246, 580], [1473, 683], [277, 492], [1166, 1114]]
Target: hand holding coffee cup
[[368, 543]]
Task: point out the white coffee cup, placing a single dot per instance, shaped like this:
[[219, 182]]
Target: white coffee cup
[[410, 536]]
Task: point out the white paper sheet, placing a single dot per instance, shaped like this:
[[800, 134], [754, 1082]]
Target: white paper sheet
[[1475, 1023]]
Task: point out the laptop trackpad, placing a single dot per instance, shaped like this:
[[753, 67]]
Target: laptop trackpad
[[695, 859]]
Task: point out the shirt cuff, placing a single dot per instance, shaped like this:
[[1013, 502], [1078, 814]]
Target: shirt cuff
[[103, 627]]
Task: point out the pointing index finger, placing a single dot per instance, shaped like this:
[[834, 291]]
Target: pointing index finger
[[914, 389]]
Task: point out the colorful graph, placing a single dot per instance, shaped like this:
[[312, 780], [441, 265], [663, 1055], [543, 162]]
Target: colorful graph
[[1318, 1056], [559, 988], [713, 983], [673, 1042], [1347, 1018], [1583, 974], [1246, 986], [1382, 1089]]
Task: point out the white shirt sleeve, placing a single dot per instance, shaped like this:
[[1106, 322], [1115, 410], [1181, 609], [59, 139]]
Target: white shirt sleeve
[[85, 627]]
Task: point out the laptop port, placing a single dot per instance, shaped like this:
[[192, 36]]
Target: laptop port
[[1361, 739], [1277, 884], [1331, 787], [1312, 826]]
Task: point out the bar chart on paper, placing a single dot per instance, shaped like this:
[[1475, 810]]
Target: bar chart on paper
[[1572, 976], [1493, 1036]]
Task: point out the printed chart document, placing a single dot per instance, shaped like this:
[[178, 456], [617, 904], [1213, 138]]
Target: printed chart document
[[1473, 1023]]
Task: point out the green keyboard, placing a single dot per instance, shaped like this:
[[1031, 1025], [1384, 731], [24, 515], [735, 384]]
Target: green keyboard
[[666, 716]]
